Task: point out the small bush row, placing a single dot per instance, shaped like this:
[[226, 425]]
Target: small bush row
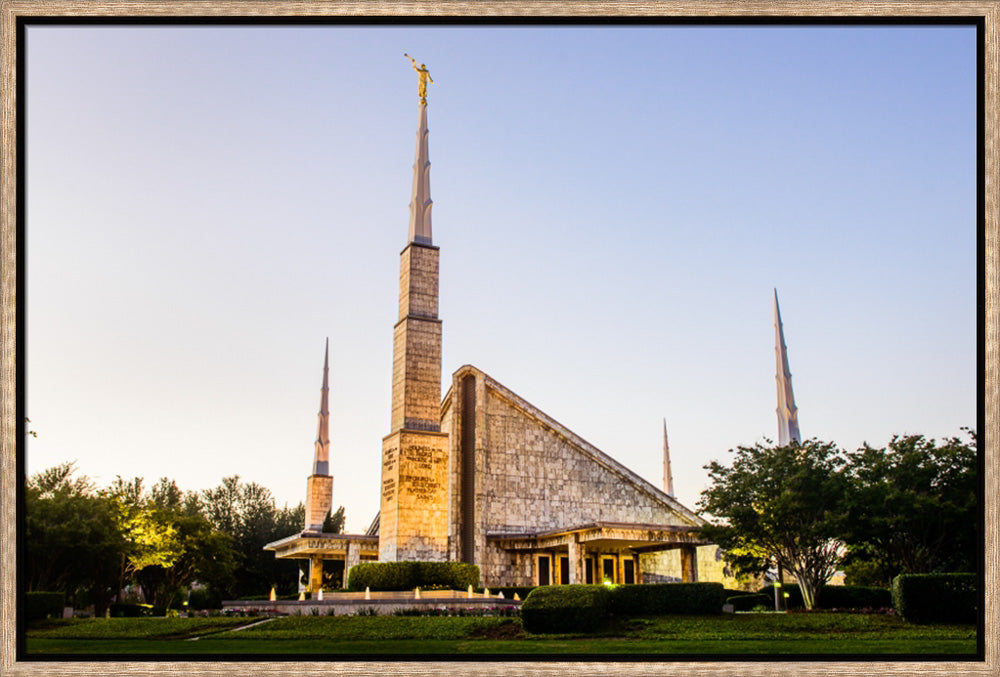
[[832, 597], [937, 598], [565, 608], [667, 598], [749, 602], [582, 608], [40, 605], [409, 575]]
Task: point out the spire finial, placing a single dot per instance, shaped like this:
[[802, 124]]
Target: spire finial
[[321, 456], [668, 476], [788, 416], [421, 203]]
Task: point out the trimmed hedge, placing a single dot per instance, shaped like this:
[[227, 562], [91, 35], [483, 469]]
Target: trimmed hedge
[[667, 598], [937, 598], [565, 608], [835, 597], [125, 610], [39, 605], [409, 575], [750, 602]]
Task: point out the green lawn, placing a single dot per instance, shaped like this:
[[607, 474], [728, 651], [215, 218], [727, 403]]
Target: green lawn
[[814, 633]]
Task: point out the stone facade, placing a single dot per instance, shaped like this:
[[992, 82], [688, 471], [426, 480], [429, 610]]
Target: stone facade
[[319, 501], [520, 472], [416, 353], [413, 517]]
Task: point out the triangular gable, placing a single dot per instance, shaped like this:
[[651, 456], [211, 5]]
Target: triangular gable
[[535, 433]]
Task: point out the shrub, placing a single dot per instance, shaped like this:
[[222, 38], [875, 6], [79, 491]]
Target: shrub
[[667, 598], [834, 597], [204, 598], [409, 575], [565, 608], [750, 602], [39, 605], [123, 610], [940, 598], [854, 597]]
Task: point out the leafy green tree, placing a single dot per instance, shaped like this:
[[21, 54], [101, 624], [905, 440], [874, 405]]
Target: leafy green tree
[[781, 505], [333, 523], [247, 513], [912, 507], [73, 542], [152, 537]]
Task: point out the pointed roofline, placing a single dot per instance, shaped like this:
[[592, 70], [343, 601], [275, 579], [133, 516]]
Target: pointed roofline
[[668, 476], [321, 452], [788, 419]]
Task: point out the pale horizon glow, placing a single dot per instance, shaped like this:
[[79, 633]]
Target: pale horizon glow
[[614, 206]]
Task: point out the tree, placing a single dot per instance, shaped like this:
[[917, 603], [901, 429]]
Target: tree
[[912, 506], [152, 538], [247, 513], [780, 504], [333, 523], [72, 541]]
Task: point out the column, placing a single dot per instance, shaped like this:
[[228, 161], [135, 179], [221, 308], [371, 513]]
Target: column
[[315, 575], [353, 557], [689, 564], [577, 553]]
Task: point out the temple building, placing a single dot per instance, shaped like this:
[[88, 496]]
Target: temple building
[[484, 476]]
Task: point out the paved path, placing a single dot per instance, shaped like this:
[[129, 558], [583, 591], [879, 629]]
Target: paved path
[[236, 629]]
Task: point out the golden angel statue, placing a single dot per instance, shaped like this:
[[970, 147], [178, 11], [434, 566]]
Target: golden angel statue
[[425, 77]]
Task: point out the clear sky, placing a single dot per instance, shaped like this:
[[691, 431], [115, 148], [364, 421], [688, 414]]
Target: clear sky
[[613, 206]]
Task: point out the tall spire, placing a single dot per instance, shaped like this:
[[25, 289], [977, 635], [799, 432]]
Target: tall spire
[[420, 203], [668, 476], [321, 457], [788, 413], [319, 484]]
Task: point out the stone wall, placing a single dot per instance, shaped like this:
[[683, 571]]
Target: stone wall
[[532, 474], [537, 477], [413, 523], [416, 350]]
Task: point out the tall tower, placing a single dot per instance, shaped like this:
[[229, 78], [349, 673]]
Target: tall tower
[[413, 517], [319, 485], [668, 477], [788, 413]]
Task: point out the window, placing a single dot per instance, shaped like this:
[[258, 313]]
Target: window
[[629, 565], [543, 569], [608, 570]]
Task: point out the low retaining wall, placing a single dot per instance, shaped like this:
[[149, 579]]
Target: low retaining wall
[[383, 604]]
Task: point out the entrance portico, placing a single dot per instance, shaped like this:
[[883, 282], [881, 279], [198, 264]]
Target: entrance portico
[[603, 552], [317, 548]]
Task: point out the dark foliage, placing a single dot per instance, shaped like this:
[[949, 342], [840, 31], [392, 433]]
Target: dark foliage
[[39, 605], [565, 608], [912, 507], [667, 598], [835, 596], [937, 598], [410, 575], [747, 602]]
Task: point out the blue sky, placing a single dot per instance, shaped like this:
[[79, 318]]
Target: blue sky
[[613, 206]]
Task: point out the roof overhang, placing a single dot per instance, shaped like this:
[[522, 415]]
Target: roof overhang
[[309, 543], [601, 535]]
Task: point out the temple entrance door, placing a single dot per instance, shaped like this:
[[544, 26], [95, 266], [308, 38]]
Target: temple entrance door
[[333, 574]]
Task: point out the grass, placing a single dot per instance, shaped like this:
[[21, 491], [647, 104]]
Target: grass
[[132, 628], [813, 633]]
